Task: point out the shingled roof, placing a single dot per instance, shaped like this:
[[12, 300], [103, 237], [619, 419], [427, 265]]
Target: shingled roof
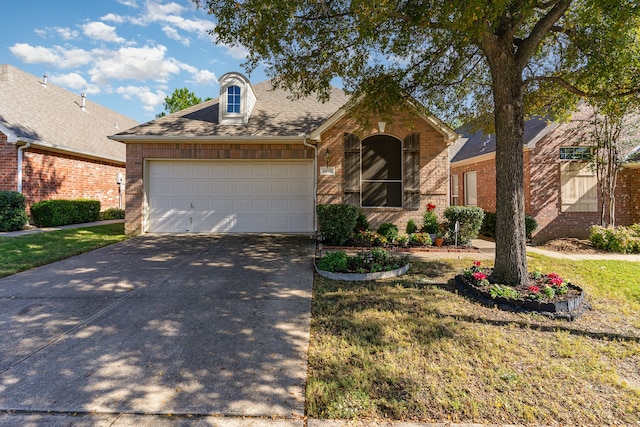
[[51, 118], [274, 115], [477, 143]]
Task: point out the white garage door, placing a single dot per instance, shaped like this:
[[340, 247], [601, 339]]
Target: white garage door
[[230, 196]]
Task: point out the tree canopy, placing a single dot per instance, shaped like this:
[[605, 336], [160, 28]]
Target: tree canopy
[[463, 60], [179, 100]]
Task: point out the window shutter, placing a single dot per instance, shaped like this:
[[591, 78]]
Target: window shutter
[[351, 169], [411, 178]]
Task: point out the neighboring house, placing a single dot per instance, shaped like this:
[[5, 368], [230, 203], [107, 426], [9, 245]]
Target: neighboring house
[[54, 144], [560, 189], [255, 160]]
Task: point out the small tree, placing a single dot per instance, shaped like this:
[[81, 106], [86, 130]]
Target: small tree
[[179, 100], [611, 125]]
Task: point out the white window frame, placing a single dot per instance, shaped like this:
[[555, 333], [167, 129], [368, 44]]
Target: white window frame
[[455, 190], [470, 188]]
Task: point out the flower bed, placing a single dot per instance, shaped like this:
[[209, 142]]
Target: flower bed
[[368, 265], [549, 295]]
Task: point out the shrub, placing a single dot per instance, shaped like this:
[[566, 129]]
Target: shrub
[[489, 225], [368, 238], [336, 222], [430, 222], [420, 239], [411, 227], [389, 231], [361, 222], [112, 213], [50, 213], [470, 220], [616, 239], [333, 261], [13, 211]]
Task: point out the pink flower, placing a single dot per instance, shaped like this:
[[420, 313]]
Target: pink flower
[[479, 276], [553, 275], [556, 281], [534, 289]]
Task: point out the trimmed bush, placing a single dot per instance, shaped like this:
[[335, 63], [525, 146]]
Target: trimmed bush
[[489, 225], [333, 261], [430, 222], [337, 222], [13, 211], [411, 227], [620, 239], [470, 219], [389, 231], [112, 213], [361, 222], [51, 213]]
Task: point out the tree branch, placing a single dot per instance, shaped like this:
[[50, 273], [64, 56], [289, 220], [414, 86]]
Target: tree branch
[[542, 27], [560, 82]]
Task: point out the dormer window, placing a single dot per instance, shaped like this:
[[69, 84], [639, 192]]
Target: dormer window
[[237, 99], [233, 99]]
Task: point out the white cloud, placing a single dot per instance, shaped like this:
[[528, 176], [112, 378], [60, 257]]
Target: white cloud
[[236, 52], [56, 55], [74, 81], [205, 77], [128, 3], [101, 31], [66, 33], [149, 99], [173, 34], [112, 17], [145, 63]]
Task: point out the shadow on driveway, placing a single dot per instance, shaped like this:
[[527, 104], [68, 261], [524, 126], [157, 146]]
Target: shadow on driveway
[[161, 324]]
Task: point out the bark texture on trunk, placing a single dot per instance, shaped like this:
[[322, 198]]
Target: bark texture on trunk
[[511, 255]]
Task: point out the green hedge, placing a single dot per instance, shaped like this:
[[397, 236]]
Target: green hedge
[[470, 219], [13, 211], [620, 239], [337, 222], [51, 213], [112, 213], [489, 225], [389, 231]]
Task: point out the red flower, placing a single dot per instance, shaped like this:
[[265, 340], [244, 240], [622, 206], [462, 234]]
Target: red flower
[[431, 207], [535, 289], [553, 275], [556, 281], [479, 276], [476, 263]]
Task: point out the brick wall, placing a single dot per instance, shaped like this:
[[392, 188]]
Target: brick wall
[[434, 179], [485, 180], [49, 175], [8, 164], [137, 153]]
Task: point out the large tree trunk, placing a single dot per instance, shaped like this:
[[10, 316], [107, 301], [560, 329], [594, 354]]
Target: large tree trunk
[[511, 255]]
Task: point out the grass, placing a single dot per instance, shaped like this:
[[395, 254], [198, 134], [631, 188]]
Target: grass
[[411, 348], [22, 253]]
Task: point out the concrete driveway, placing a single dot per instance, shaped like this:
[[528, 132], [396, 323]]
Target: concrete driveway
[[160, 324]]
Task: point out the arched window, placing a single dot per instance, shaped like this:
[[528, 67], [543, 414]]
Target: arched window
[[233, 99], [381, 171]]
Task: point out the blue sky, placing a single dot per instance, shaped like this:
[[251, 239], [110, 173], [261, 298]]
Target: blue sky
[[124, 54]]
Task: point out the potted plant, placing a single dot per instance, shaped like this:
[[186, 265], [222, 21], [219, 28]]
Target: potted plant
[[439, 240], [430, 223]]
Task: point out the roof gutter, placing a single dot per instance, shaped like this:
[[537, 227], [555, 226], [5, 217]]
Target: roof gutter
[[64, 150], [209, 139], [19, 167]]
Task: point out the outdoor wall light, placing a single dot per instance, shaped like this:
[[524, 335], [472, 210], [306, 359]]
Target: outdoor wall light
[[381, 126], [327, 156]]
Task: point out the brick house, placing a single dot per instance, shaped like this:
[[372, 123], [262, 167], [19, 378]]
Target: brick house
[[560, 189], [53, 143], [255, 160]]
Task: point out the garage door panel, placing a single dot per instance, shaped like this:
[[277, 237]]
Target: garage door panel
[[231, 196]]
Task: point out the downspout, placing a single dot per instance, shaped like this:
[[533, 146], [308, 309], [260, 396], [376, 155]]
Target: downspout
[[315, 181], [20, 154]]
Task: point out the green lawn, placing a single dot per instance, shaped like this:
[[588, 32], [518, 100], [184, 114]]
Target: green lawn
[[411, 348], [22, 253]]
